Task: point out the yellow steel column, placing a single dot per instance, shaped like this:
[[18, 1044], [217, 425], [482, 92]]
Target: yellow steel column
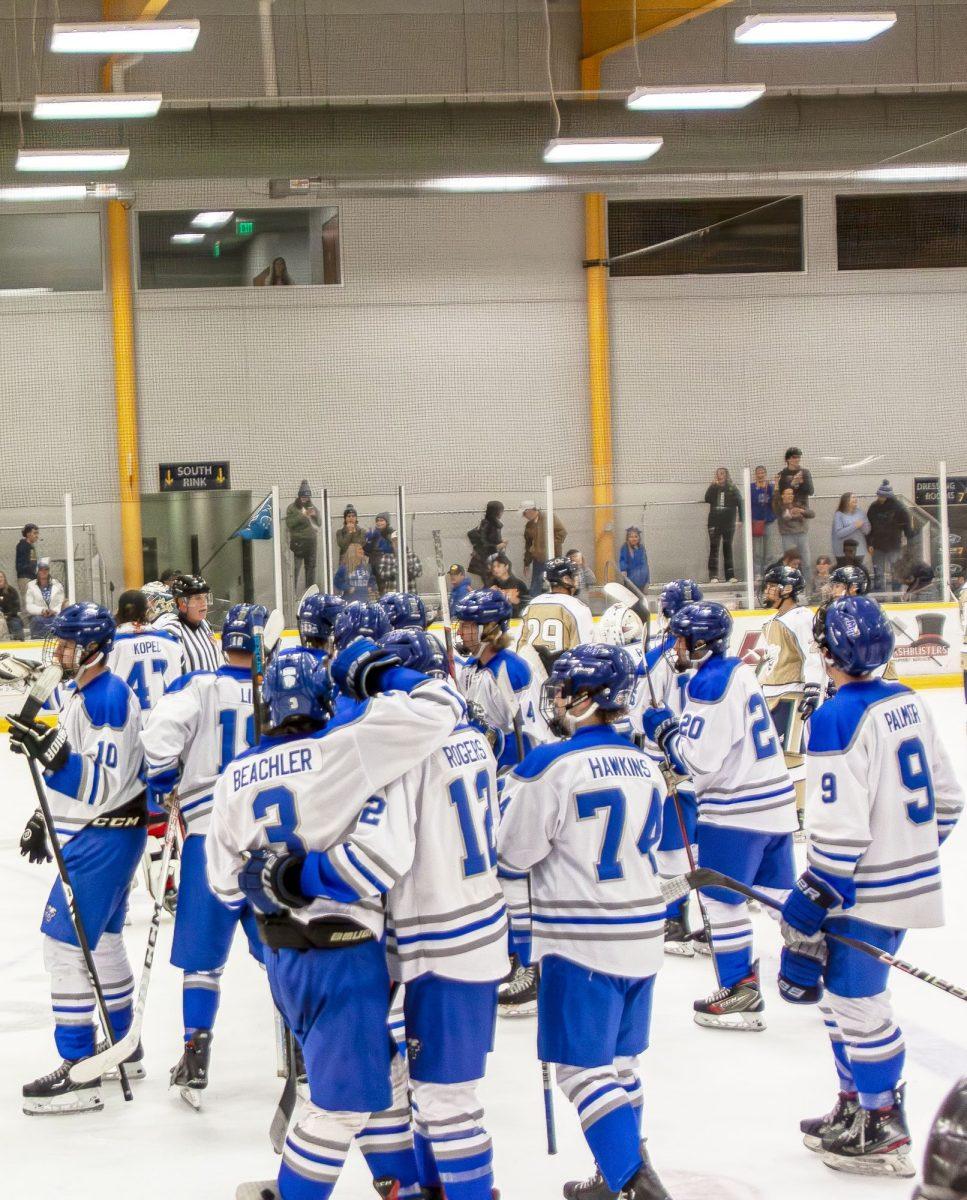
[[599, 379], [125, 391]]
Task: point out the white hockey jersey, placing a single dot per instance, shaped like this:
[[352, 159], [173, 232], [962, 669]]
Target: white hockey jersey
[[556, 621], [194, 731], [307, 792], [500, 687], [881, 794], [728, 743], [583, 816], [147, 659], [103, 774], [428, 845]]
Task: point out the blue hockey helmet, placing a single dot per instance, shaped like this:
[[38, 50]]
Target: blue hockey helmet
[[417, 649], [854, 579], [405, 610], [603, 672], [298, 684], [89, 626], [676, 594], [789, 581], [360, 618], [317, 617], [854, 633], [241, 623], [704, 626], [561, 572], [486, 606]]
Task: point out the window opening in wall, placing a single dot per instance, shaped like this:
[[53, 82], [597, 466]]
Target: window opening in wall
[[903, 231], [50, 252]]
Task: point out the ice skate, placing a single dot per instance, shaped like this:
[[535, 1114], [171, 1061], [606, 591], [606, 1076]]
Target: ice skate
[[594, 1188], [133, 1064], [644, 1184], [388, 1189], [190, 1073], [266, 1190], [699, 940], [518, 998], [736, 1007], [876, 1143], [816, 1130], [678, 940], [57, 1093]]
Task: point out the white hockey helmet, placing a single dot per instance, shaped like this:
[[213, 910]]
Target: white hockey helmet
[[619, 626]]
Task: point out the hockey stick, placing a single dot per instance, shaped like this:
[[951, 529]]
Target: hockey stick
[[673, 889], [549, 1123], [43, 687], [90, 1068], [441, 582]]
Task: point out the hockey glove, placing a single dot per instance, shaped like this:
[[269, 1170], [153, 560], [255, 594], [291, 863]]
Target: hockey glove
[[801, 967], [810, 700], [661, 726], [808, 904], [47, 745], [270, 881], [33, 840], [359, 669]]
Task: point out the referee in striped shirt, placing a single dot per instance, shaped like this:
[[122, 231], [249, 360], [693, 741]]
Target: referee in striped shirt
[[192, 597]]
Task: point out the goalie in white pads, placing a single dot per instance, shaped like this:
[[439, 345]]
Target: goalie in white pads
[[92, 765], [726, 741], [881, 798], [583, 816], [299, 791]]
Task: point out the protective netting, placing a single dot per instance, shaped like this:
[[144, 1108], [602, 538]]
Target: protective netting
[[761, 296]]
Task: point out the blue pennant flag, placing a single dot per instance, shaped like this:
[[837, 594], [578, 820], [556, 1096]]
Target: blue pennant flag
[[258, 527]]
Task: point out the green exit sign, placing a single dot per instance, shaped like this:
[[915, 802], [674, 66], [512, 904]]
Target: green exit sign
[[244, 228], [217, 250]]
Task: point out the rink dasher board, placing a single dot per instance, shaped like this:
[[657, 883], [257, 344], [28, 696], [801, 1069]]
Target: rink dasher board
[[929, 645]]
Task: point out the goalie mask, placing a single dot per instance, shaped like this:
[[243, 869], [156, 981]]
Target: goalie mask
[[584, 680], [160, 600], [619, 626], [79, 637]]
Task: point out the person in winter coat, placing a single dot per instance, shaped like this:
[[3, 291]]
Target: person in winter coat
[[354, 580], [724, 511], [302, 521], [535, 543], [633, 558], [890, 524], [486, 539], [10, 610], [795, 475], [27, 558], [45, 599], [350, 532], [849, 521], [380, 548], [763, 519], [792, 516]]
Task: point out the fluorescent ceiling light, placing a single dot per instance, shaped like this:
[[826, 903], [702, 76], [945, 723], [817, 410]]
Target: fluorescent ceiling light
[[808, 28], [186, 239], [73, 160], [922, 173], [489, 183], [123, 37], [212, 220], [695, 97], [67, 191], [28, 291], [608, 149], [92, 107]]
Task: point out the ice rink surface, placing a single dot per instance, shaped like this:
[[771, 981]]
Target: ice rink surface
[[722, 1109]]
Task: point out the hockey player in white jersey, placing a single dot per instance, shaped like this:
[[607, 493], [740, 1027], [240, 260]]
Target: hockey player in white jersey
[[726, 741], [583, 816], [200, 724], [426, 844], [92, 764], [316, 620], [192, 597], [299, 791], [669, 689], [146, 658], [557, 620], [882, 796]]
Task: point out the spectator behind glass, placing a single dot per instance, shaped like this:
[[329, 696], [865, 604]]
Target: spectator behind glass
[[920, 582], [26, 558], [851, 558], [795, 475], [275, 276], [354, 580], [504, 580], [763, 518], [791, 518], [724, 511], [792, 558], [820, 581], [486, 539], [849, 521], [45, 599], [460, 585], [350, 533], [889, 524], [302, 521], [10, 611], [633, 558], [535, 543], [586, 579], [380, 548]]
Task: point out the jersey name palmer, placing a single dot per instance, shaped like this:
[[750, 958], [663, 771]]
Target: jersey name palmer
[[900, 718], [273, 766]]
